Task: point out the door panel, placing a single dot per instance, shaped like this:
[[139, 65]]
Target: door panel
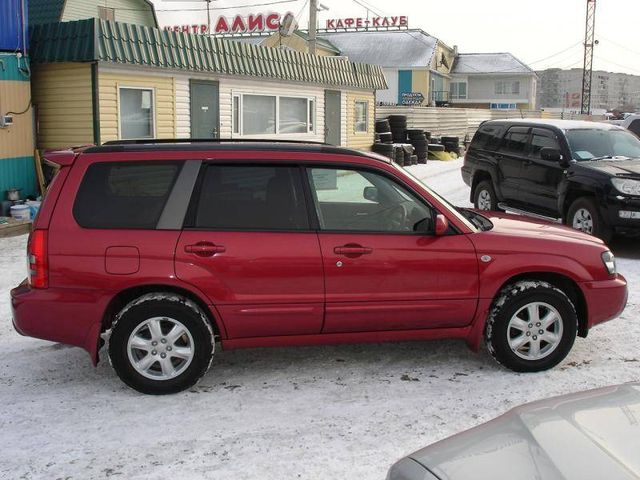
[[332, 117], [249, 248], [380, 274], [541, 178], [205, 109], [511, 156], [405, 282]]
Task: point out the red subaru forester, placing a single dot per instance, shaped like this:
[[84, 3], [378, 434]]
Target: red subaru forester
[[161, 247]]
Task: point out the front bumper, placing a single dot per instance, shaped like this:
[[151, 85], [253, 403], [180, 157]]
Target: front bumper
[[58, 315], [611, 211], [606, 299]]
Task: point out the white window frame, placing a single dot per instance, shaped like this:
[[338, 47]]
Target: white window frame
[[507, 87], [366, 117], [455, 95], [153, 107], [236, 121]]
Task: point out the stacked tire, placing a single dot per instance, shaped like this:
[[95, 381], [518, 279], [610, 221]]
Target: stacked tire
[[451, 144], [418, 139], [398, 124], [385, 149]]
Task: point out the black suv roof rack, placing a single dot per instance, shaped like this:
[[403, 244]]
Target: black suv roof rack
[[164, 141]]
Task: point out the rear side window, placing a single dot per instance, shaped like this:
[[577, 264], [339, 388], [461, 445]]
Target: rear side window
[[124, 195], [487, 137], [252, 197], [634, 127], [515, 141]]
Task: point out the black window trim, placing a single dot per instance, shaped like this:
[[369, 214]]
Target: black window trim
[[551, 133]]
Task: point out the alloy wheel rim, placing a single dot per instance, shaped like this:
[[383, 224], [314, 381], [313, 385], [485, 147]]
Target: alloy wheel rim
[[484, 200], [535, 331], [160, 348], [583, 221]]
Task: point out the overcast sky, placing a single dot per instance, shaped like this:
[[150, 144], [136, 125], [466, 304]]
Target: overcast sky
[[542, 33]]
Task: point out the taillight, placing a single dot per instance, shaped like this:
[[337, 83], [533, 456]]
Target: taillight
[[37, 259]]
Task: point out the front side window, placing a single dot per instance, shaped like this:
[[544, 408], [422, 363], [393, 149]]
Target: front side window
[[515, 141], [136, 113], [272, 114], [355, 200], [542, 139], [251, 197], [124, 195], [362, 117]]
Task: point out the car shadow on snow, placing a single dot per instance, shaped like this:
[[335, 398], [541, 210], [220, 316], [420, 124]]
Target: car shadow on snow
[[625, 247]]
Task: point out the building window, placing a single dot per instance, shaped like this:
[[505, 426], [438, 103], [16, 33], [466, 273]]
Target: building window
[[506, 87], [458, 90], [106, 13], [136, 113], [362, 117], [272, 114]]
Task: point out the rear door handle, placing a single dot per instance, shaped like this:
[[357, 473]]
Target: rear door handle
[[352, 250], [204, 249]]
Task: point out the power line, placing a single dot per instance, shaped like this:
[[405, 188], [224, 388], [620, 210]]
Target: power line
[[626, 67], [619, 45], [555, 54]]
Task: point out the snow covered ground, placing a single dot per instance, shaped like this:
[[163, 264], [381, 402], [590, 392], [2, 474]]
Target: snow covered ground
[[299, 413]]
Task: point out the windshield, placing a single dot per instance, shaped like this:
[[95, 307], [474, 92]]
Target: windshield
[[452, 208], [590, 144]]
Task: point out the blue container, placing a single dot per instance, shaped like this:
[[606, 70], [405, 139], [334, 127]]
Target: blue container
[[14, 34]]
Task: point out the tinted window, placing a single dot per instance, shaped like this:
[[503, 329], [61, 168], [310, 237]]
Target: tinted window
[[353, 200], [515, 141], [248, 197], [124, 195], [635, 127], [542, 139], [487, 137]]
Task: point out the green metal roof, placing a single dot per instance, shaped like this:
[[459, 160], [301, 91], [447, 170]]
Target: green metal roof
[[45, 11], [121, 43]]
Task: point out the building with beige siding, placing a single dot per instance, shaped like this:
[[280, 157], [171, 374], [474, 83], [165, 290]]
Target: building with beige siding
[[97, 80]]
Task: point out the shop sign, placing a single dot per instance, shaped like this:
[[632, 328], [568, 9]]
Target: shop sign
[[412, 98], [358, 22], [253, 23]]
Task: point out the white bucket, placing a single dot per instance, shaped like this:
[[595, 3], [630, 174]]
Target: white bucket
[[21, 212], [34, 206]]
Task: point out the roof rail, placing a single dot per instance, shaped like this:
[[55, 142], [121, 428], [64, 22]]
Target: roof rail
[[161, 141]]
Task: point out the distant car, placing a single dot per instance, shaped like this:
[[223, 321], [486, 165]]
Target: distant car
[[588, 435], [584, 174], [161, 247], [632, 123]]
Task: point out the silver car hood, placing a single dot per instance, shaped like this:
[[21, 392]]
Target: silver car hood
[[588, 435]]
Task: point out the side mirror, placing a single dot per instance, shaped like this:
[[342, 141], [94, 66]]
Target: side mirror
[[550, 154], [371, 194], [442, 225]]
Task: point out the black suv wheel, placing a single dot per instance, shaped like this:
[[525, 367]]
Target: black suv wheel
[[484, 196], [583, 215]]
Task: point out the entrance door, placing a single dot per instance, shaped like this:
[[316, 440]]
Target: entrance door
[[332, 117], [205, 109]]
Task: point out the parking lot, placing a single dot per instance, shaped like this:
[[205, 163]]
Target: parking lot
[[310, 412]]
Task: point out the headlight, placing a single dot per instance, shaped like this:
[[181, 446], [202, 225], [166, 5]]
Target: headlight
[[626, 185], [609, 262]]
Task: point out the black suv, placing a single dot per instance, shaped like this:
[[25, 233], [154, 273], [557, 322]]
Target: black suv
[[585, 174]]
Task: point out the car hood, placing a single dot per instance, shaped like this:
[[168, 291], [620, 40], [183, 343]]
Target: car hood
[[522, 226], [593, 434], [625, 168]]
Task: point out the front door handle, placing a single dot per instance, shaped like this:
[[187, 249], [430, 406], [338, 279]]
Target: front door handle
[[352, 250], [204, 249]]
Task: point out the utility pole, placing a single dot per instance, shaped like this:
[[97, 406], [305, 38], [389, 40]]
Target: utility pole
[[589, 43], [313, 19]]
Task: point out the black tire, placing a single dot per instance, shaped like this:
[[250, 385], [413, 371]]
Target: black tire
[[598, 226], [168, 308], [484, 189], [512, 300]]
